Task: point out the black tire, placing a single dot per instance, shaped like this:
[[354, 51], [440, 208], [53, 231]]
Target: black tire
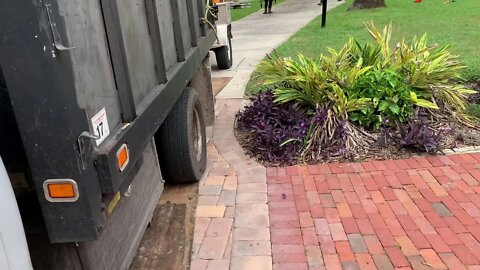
[[224, 55], [181, 141]]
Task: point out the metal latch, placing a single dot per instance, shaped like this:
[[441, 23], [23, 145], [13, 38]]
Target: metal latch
[[57, 41], [81, 145]]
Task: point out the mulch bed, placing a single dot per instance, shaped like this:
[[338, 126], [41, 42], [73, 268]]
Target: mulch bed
[[461, 136], [376, 151]]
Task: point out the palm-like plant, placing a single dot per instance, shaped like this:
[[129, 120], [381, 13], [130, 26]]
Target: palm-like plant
[[302, 81], [326, 85], [319, 84], [312, 82], [432, 71]]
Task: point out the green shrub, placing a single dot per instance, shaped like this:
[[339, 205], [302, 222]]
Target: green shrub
[[431, 71], [390, 95], [409, 74], [314, 83], [366, 84], [473, 110]]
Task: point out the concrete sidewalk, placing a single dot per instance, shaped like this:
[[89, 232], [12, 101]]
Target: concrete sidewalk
[[258, 34]]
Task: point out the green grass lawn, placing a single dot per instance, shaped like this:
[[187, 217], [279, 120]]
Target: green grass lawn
[[239, 13], [456, 23]]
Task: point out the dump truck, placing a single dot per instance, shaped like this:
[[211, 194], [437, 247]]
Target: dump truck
[[101, 103]]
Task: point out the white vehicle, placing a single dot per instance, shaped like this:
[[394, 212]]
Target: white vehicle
[[223, 46], [14, 253]]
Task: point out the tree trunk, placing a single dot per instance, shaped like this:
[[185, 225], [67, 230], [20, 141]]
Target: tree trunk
[[366, 4]]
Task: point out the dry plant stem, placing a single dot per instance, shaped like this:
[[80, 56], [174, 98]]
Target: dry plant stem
[[358, 138], [461, 119], [470, 125], [323, 135]]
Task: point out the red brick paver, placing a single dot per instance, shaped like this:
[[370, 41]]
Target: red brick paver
[[232, 226], [417, 213]]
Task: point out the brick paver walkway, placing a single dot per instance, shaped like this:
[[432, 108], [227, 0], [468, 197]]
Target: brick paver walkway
[[232, 224], [418, 213]]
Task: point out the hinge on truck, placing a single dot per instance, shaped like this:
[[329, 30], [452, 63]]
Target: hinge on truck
[[81, 145], [57, 41]]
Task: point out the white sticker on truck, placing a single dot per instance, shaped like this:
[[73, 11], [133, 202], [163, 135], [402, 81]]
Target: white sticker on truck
[[100, 126]]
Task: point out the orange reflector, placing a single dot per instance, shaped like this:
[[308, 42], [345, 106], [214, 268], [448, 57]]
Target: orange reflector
[[123, 157], [60, 190], [64, 190]]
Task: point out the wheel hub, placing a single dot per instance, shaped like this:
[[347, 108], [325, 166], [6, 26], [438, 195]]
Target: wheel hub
[[197, 136]]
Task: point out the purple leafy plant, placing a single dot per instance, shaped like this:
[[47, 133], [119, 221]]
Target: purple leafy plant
[[416, 133], [331, 136], [276, 131]]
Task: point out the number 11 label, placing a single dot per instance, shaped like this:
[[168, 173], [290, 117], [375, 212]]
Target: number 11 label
[[100, 126]]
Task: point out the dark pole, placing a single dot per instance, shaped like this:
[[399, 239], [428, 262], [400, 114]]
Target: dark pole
[[324, 12]]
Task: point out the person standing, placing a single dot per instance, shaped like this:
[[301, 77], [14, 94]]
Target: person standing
[[268, 6]]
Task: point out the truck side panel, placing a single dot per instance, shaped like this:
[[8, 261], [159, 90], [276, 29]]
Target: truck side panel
[[94, 78], [195, 16], [39, 81], [63, 62], [119, 240], [123, 233], [182, 9], [138, 47], [168, 40]]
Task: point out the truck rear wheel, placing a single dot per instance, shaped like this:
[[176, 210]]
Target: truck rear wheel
[[181, 141], [224, 55]]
